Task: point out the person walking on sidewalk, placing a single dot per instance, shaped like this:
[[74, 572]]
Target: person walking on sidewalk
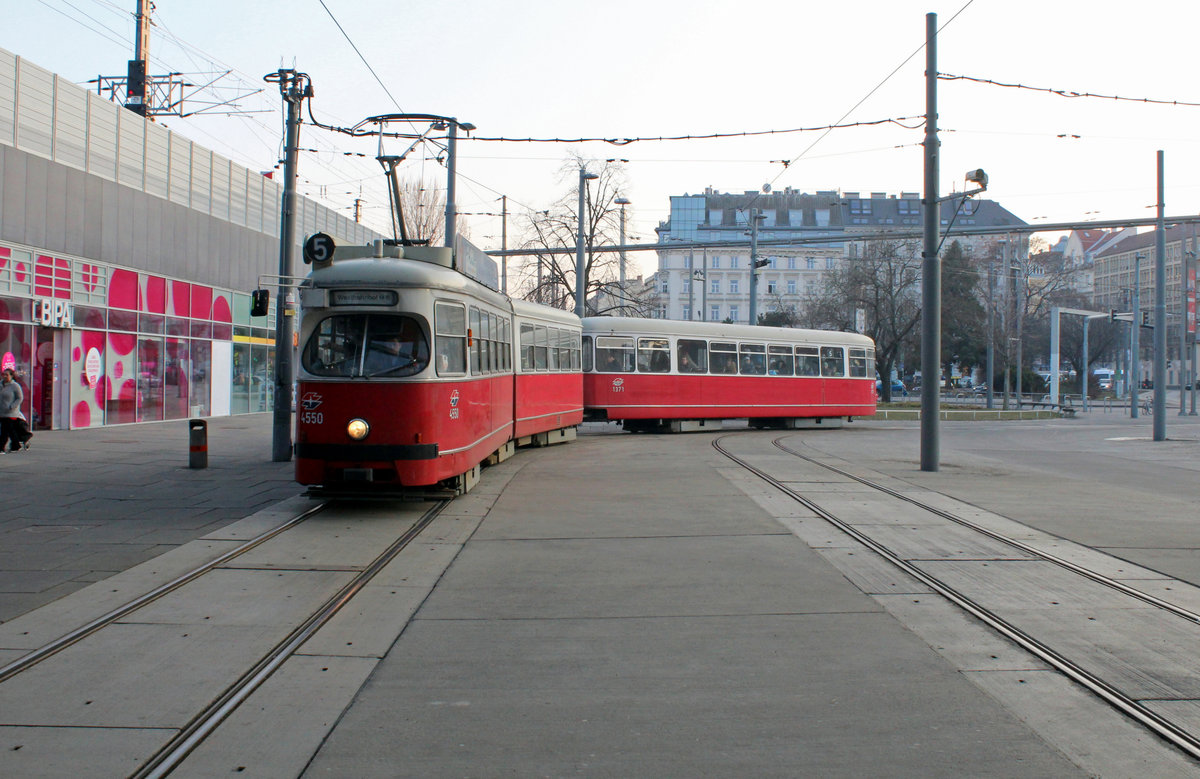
[[14, 430]]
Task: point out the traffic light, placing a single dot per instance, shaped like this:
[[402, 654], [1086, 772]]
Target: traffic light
[[260, 302], [1146, 319], [761, 264], [1112, 315]]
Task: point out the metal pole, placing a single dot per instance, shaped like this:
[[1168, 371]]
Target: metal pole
[[504, 243], [579, 282], [1183, 325], [991, 345], [931, 282], [1160, 317], [1135, 329], [1086, 321], [293, 93], [1009, 286], [451, 144], [704, 286], [1055, 318], [753, 266], [691, 282], [621, 263], [1020, 298]]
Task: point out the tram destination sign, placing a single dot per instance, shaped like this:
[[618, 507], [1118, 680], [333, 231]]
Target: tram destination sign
[[362, 297]]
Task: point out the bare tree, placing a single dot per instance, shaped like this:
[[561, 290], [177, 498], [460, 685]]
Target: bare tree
[[883, 279], [550, 277]]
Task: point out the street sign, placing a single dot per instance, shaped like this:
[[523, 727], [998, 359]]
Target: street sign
[[319, 248]]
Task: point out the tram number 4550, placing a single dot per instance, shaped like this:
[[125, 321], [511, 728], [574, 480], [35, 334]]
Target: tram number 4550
[[312, 417]]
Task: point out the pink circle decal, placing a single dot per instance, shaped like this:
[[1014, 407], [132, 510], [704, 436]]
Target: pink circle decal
[[81, 415]]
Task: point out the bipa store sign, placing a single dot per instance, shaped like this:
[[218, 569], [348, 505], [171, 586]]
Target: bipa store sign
[[52, 313]]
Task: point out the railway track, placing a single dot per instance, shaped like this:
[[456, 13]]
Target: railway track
[[335, 585], [1146, 664]]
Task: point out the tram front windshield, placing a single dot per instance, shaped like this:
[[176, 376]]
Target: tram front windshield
[[365, 345]]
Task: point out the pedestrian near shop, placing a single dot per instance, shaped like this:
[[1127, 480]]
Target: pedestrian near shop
[[14, 429]]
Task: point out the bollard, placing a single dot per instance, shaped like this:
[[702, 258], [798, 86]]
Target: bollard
[[197, 443]]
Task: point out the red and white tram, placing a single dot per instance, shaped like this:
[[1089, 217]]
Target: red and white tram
[[412, 374], [660, 374]]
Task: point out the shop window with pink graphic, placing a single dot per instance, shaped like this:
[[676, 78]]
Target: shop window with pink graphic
[[177, 383], [121, 390], [88, 386], [150, 379]]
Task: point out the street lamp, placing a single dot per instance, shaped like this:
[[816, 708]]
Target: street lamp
[[580, 282], [622, 202], [755, 218]]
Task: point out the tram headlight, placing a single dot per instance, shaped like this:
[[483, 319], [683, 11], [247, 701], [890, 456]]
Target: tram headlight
[[358, 429]]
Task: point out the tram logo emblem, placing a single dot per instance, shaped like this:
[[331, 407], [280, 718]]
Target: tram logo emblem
[[311, 400], [454, 404], [618, 385]]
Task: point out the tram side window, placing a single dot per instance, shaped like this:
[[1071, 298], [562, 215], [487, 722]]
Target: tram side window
[[833, 361], [808, 361], [575, 351], [722, 357], [753, 359], [587, 353], [564, 350], [506, 348], [539, 348], [693, 356], [476, 346], [654, 355], [779, 360], [858, 363], [870, 362], [450, 342], [526, 347], [552, 348], [614, 354]]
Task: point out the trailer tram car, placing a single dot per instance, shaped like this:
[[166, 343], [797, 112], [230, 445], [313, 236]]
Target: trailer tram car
[[665, 375], [411, 375]]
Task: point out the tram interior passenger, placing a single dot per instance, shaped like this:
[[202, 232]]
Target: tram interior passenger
[[693, 356]]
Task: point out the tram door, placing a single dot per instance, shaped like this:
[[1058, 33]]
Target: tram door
[[48, 390]]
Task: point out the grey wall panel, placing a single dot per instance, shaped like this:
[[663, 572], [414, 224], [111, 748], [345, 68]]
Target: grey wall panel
[[200, 238], [154, 232], [110, 251], [36, 182], [140, 255], [35, 109], [8, 97], [15, 163], [131, 144], [70, 125], [93, 218], [74, 224], [4, 152], [181, 169], [102, 137], [55, 235]]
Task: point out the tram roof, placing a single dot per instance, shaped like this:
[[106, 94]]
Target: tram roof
[[393, 272], [603, 325]]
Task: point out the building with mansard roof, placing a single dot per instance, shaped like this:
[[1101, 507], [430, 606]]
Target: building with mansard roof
[[704, 262]]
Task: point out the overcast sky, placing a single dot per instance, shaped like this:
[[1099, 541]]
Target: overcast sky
[[649, 68]]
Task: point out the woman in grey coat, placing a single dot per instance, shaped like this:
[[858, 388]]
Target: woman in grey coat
[[12, 423]]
